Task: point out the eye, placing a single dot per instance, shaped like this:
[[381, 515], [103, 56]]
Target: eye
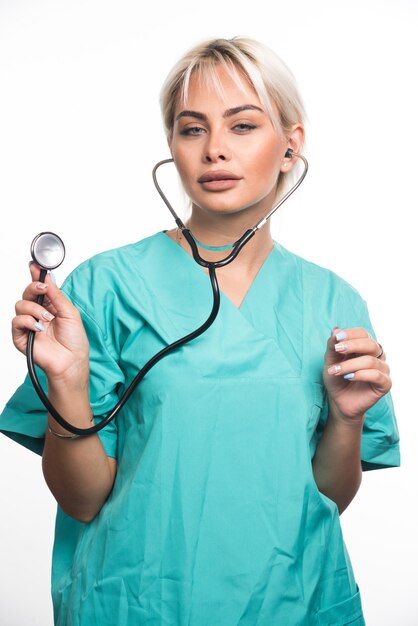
[[244, 127], [192, 130]]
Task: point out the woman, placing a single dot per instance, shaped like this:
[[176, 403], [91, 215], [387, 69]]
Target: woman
[[214, 497]]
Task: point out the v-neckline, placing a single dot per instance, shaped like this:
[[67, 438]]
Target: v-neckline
[[203, 273]]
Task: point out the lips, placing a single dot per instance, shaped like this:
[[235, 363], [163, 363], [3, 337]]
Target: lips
[[209, 177]]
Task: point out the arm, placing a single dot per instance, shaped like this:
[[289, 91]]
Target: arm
[[77, 471], [336, 464]]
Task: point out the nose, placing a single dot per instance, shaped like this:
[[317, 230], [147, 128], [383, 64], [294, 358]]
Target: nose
[[216, 148], [212, 158]]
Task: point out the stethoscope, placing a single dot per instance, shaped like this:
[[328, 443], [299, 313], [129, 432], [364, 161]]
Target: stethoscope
[[48, 251]]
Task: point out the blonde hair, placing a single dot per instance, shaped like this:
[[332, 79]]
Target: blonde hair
[[269, 76]]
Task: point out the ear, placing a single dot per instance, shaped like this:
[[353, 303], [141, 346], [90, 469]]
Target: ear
[[295, 140]]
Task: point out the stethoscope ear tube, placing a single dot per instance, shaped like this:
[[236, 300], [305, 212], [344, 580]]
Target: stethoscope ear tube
[[240, 243]]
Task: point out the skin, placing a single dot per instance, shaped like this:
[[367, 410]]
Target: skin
[[245, 144], [336, 464], [78, 472], [210, 135]]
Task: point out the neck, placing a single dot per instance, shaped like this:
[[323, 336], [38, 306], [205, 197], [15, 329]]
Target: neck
[[223, 230]]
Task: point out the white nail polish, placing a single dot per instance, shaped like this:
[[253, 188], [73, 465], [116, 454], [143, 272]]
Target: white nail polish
[[340, 347], [52, 275], [47, 316]]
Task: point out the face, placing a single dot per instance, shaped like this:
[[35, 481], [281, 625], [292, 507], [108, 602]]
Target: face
[[227, 152]]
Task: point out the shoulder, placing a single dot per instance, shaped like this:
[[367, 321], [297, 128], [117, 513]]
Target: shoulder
[[117, 264], [318, 281], [120, 256], [115, 282], [111, 289]]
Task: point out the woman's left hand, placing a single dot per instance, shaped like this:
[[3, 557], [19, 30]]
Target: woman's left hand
[[353, 352]]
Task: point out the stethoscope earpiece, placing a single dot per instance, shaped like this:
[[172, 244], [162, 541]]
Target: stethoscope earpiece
[[289, 153]]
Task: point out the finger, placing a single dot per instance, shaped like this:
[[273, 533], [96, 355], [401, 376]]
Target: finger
[[38, 288], [21, 324], [355, 333], [39, 277], [32, 293], [60, 304], [34, 290], [27, 307], [351, 333], [53, 298], [360, 363], [381, 356], [35, 271], [344, 334], [364, 345], [47, 304], [339, 334], [330, 355], [376, 378]]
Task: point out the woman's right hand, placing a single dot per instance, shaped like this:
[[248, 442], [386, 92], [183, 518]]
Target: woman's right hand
[[61, 350]]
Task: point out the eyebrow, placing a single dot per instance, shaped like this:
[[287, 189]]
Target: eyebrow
[[228, 113]]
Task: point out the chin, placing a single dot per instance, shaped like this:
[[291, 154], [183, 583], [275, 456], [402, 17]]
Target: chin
[[225, 203], [222, 209], [225, 207]]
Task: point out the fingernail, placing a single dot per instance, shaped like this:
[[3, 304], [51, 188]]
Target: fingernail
[[334, 369], [349, 376], [340, 347], [41, 285], [341, 335], [53, 279], [39, 326], [30, 263], [48, 316]]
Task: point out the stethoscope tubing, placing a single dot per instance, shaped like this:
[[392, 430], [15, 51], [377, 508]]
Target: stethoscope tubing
[[240, 243], [82, 432], [210, 265]]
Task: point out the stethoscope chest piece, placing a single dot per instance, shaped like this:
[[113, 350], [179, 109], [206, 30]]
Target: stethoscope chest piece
[[47, 250]]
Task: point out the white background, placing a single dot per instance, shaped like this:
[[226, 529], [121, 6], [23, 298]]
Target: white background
[[80, 131]]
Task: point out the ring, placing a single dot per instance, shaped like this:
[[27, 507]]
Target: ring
[[377, 356]]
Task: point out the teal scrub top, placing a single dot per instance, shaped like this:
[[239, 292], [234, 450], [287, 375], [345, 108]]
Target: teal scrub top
[[215, 517]]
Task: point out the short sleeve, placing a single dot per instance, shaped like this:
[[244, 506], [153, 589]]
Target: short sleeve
[[380, 440], [24, 417]]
